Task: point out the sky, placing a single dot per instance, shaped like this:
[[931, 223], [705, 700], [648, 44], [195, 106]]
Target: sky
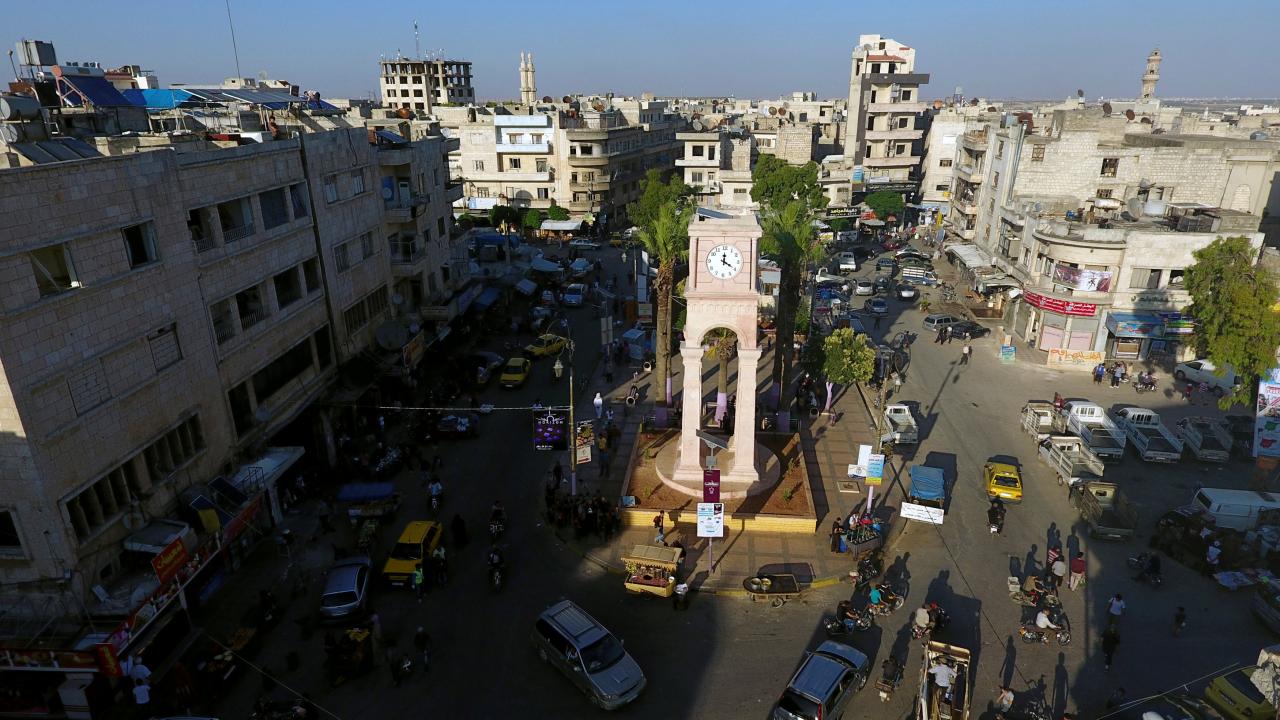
[[1031, 49]]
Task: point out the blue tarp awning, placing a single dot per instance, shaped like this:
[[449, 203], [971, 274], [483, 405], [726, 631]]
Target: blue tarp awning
[[365, 492], [157, 99], [1135, 325], [489, 238], [928, 483], [487, 298]]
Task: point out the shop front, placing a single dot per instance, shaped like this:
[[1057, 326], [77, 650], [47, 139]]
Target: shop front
[[1049, 323], [1129, 335]]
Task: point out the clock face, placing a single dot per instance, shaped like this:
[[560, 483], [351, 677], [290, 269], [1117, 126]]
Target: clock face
[[724, 262]]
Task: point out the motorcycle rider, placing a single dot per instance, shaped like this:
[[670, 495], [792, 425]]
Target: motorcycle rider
[[995, 516], [891, 671], [495, 557], [923, 619], [876, 597], [847, 615], [436, 489], [1046, 625], [1151, 571]]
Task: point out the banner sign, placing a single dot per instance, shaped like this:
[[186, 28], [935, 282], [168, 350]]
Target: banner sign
[[583, 441], [711, 485], [710, 520], [550, 430], [875, 469], [1266, 429], [1081, 279], [1062, 307], [171, 558]]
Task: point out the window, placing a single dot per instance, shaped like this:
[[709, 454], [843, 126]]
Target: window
[[535, 138], [695, 177], [482, 192], [906, 95], [945, 162], [311, 274], [52, 269], [477, 165], [331, 189], [140, 244], [902, 123], [377, 301], [165, 350], [902, 149], [540, 165], [241, 408], [88, 386], [355, 317], [288, 287], [1144, 279], [174, 449], [357, 182], [198, 226], [10, 541], [1104, 192], [324, 349], [101, 503], [586, 150], [1175, 277], [440, 226], [224, 323], [250, 307], [515, 138], [544, 193], [1110, 166], [340, 259], [697, 151], [283, 370], [477, 138], [367, 248], [1037, 153], [298, 196], [1000, 149], [513, 163]]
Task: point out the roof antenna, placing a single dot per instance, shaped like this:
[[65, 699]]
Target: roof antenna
[[235, 50], [417, 51]]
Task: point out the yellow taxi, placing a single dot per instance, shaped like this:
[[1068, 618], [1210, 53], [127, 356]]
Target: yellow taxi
[[1235, 696], [545, 345], [515, 372], [1003, 481], [416, 542]]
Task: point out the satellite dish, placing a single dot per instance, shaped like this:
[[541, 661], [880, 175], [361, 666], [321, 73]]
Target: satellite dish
[[397, 299], [973, 102], [1259, 135], [391, 335], [404, 113], [1146, 121], [991, 108], [867, 47], [773, 110], [598, 107], [414, 328], [786, 105], [1106, 109], [1079, 93], [1129, 114], [547, 99], [697, 125]]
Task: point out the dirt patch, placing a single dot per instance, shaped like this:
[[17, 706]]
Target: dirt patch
[[789, 497]]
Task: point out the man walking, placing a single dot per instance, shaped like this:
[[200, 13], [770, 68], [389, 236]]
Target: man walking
[[1077, 571], [1115, 608], [964, 354], [1179, 621], [416, 580], [1110, 641], [599, 405]]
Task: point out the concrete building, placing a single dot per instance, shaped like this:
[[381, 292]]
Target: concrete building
[[1094, 226], [886, 114], [420, 85], [718, 164]]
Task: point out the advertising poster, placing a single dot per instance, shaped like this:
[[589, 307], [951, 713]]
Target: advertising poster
[[1081, 279], [551, 430], [1266, 431]]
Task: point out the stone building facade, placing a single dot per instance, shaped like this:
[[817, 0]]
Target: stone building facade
[[886, 120]]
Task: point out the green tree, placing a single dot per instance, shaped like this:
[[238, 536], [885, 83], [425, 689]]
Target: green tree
[[839, 224], [667, 242], [776, 184], [1233, 300], [466, 221], [789, 237], [884, 203], [532, 220], [846, 359], [557, 213], [504, 217], [654, 194], [723, 348]]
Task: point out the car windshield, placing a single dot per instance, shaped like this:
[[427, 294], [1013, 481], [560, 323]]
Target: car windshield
[[1243, 685], [515, 366], [602, 653], [1008, 481], [794, 707], [338, 599], [407, 551]]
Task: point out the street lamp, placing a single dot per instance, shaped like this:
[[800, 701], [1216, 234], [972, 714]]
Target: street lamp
[[558, 369]]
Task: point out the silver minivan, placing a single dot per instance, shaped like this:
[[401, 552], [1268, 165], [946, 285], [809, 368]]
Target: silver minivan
[[589, 655]]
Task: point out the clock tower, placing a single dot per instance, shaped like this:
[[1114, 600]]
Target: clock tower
[[721, 293]]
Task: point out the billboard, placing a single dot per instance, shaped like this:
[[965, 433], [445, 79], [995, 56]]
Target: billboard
[[1266, 429], [1081, 279], [550, 430]]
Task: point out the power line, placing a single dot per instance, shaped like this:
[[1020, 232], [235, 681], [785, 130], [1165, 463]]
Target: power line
[[276, 680]]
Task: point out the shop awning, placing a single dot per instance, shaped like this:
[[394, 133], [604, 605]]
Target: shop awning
[[545, 266], [971, 255], [263, 473], [562, 225], [1135, 325], [526, 287], [159, 534], [487, 298]]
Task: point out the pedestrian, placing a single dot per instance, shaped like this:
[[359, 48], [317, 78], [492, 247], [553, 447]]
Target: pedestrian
[[1110, 641], [598, 402], [837, 534], [422, 642], [1212, 557], [1004, 699], [897, 383], [1116, 372], [141, 698], [1059, 573], [1099, 371], [1179, 621], [417, 580], [942, 336], [964, 354], [1204, 391], [1187, 390], [877, 323], [1077, 571], [1116, 699], [657, 526], [1115, 608]]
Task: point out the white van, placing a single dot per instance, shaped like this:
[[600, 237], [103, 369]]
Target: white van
[[1237, 509]]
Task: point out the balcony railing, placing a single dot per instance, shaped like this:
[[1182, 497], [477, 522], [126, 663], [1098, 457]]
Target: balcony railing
[[224, 330], [253, 317], [202, 241], [235, 234], [405, 252]]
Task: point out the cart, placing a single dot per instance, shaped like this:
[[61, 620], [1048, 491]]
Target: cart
[[777, 589], [861, 541], [933, 703], [367, 535], [652, 569], [351, 657], [927, 497], [376, 500]]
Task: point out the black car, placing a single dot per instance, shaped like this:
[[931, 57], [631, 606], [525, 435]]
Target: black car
[[1241, 428], [458, 425], [862, 252], [483, 366], [969, 328], [883, 285]]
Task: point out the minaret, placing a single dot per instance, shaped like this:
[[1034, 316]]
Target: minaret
[[528, 87], [1151, 76]]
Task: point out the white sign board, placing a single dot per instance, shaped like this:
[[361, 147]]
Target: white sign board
[[710, 520], [923, 513], [859, 469]]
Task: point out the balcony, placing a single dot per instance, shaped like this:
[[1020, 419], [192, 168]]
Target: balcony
[[405, 252], [697, 161], [512, 176], [602, 182], [895, 134], [588, 160], [399, 211], [451, 145], [974, 140], [898, 79], [392, 155], [914, 108], [236, 234], [965, 205], [252, 317], [542, 148], [969, 174], [587, 134], [453, 192], [904, 160]]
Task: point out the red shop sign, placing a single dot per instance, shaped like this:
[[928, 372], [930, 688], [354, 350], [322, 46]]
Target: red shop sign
[[1062, 307]]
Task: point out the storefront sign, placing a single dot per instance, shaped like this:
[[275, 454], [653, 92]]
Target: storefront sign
[[710, 520], [107, 660], [875, 469], [1079, 359], [413, 350], [1082, 279], [583, 441], [434, 312], [1128, 325], [28, 659], [644, 312], [167, 562], [1062, 307], [1266, 429], [1006, 353], [922, 513], [551, 430], [1178, 324], [711, 485]]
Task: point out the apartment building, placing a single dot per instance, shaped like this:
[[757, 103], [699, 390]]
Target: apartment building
[[718, 164], [942, 145], [1093, 227], [420, 85], [886, 115]]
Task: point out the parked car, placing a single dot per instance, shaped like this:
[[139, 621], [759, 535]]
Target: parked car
[[883, 285], [416, 542], [486, 366], [906, 291], [577, 645], [1234, 695], [824, 684], [584, 244], [940, 320], [910, 254], [891, 244], [864, 287], [545, 345], [458, 425], [886, 265], [346, 588], [1241, 428], [1198, 371], [574, 295], [862, 252], [515, 372], [846, 261], [824, 279], [876, 306], [1003, 481], [968, 327]]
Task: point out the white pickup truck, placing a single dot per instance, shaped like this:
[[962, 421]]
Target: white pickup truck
[[1206, 438], [899, 425], [1071, 458], [1090, 422], [1153, 441]]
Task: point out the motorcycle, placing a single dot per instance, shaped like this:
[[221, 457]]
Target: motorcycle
[[1141, 563], [1141, 387], [835, 626], [890, 679], [1032, 599], [497, 576], [435, 502], [889, 602], [496, 528], [1031, 633]]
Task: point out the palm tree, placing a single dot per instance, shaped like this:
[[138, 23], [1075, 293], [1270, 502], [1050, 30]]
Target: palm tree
[[668, 242], [789, 236], [724, 348]]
